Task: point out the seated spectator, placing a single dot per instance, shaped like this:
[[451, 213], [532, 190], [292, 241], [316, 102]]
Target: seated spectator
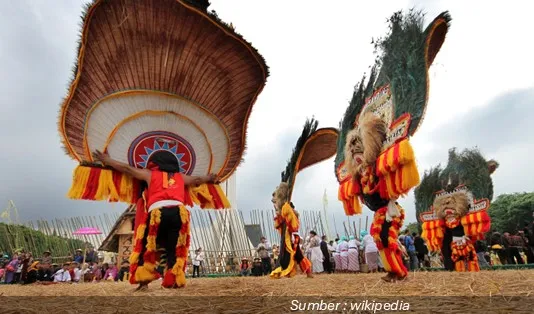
[[245, 267], [124, 272], [257, 267], [76, 271], [111, 273], [31, 275], [63, 275]]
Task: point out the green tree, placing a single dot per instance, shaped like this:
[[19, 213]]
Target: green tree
[[510, 212], [412, 227]]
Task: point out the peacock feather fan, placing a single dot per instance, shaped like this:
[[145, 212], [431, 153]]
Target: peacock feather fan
[[425, 192], [404, 56], [468, 168], [288, 175]]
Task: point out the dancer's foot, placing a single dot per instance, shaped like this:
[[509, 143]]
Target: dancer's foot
[[399, 278], [309, 275], [142, 286], [390, 277]]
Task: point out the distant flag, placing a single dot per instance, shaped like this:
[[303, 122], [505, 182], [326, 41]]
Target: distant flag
[[5, 214]]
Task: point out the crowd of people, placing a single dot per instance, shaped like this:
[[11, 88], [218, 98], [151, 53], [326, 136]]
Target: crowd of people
[[360, 254], [22, 268], [343, 255]]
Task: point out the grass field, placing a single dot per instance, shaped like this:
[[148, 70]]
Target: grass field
[[254, 294]]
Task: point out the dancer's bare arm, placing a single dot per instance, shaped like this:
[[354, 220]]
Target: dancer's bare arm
[[139, 174], [198, 180]]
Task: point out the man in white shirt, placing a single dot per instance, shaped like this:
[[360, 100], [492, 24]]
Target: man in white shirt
[[263, 251], [199, 257], [77, 272], [63, 274], [371, 251]]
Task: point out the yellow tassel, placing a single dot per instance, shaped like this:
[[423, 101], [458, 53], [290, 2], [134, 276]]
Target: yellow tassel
[[134, 257], [140, 233], [114, 195], [222, 196], [142, 274], [193, 195], [202, 190], [126, 189], [410, 176], [79, 181], [356, 205], [104, 180], [406, 154]]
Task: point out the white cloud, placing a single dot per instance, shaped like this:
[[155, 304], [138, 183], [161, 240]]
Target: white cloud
[[317, 52]]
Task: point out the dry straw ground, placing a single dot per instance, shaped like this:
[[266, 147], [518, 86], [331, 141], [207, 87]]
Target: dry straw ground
[[498, 291]]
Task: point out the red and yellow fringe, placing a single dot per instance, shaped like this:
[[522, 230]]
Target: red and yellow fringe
[[476, 224], [348, 194], [291, 220], [397, 170], [182, 248], [291, 269], [433, 234], [99, 184], [393, 232], [392, 261], [391, 255], [146, 272], [463, 254]]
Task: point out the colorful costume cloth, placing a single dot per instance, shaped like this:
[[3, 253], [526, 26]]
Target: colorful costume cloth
[[452, 204], [313, 146], [353, 255], [170, 92], [316, 255], [291, 255], [375, 163]]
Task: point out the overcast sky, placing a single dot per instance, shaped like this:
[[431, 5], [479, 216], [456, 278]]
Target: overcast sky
[[481, 93]]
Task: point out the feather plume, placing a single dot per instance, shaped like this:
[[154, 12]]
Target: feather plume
[[468, 168], [288, 175], [403, 58]]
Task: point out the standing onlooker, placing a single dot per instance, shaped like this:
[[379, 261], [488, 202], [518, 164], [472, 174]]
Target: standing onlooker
[[315, 253], [410, 248], [420, 248], [526, 246], [481, 248], [354, 256], [512, 246], [343, 248], [78, 257], [370, 250], [276, 254], [498, 246], [200, 258], [196, 264], [91, 256], [263, 251], [327, 265]]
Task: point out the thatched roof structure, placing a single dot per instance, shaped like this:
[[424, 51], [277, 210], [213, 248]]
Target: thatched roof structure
[[111, 242]]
